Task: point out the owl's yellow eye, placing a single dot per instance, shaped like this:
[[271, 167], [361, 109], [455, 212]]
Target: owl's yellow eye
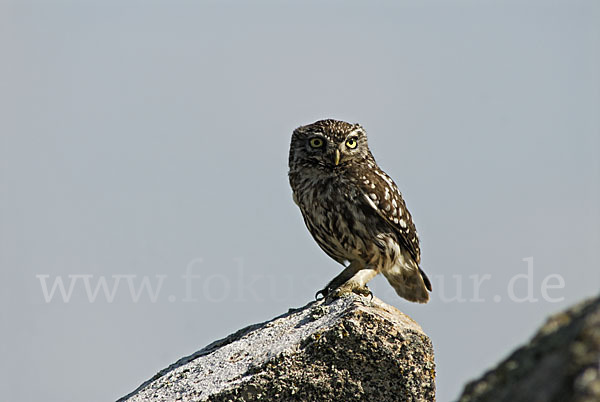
[[316, 142], [351, 143]]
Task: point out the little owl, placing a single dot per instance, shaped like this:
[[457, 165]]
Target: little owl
[[354, 211]]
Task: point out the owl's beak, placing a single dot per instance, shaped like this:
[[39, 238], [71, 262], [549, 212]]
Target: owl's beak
[[337, 157]]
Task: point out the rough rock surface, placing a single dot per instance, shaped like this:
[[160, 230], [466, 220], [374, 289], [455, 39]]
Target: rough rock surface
[[351, 349], [560, 364]]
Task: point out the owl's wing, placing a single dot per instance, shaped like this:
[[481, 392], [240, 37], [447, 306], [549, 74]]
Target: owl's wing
[[382, 194]]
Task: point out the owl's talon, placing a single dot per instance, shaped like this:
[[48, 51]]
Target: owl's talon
[[323, 292], [363, 291], [349, 288]]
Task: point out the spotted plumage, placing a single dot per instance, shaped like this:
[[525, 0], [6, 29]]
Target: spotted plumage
[[354, 210]]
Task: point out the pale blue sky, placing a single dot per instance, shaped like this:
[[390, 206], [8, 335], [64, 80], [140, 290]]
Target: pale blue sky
[[138, 137]]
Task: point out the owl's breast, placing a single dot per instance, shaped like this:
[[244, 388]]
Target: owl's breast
[[337, 218]]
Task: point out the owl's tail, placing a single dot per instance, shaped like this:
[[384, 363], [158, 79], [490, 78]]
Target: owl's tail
[[426, 280], [409, 281]]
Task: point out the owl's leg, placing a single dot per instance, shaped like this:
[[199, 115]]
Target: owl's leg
[[356, 284], [342, 278]]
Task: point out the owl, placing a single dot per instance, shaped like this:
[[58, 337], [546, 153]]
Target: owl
[[354, 211]]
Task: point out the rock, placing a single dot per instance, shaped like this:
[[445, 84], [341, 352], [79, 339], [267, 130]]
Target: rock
[[351, 349], [561, 363]]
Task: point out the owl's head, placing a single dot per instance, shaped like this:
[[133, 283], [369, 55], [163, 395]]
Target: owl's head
[[329, 144]]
